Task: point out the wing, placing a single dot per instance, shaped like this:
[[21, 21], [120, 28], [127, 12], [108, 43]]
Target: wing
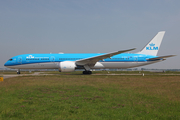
[[160, 58], [92, 60]]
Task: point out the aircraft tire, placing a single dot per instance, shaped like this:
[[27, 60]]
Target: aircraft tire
[[87, 72]]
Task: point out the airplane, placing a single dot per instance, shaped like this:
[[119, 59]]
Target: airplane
[[88, 61]]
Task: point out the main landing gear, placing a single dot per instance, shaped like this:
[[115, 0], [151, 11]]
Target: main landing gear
[[18, 71], [87, 72]]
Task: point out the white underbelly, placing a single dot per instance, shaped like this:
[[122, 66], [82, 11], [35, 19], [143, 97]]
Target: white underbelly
[[120, 65], [49, 65]]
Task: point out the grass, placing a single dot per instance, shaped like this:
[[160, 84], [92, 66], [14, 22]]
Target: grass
[[6, 72], [111, 72], [90, 97], [94, 72]]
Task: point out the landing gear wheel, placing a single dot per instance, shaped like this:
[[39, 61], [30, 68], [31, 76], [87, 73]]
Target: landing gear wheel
[[87, 72], [18, 72]]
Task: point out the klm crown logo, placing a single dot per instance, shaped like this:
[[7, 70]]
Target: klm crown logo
[[30, 56], [152, 47], [152, 44]]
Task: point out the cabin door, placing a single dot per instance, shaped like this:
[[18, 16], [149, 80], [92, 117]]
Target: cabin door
[[20, 60], [136, 59], [52, 59]]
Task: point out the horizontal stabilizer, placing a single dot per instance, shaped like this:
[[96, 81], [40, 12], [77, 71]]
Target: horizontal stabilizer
[[159, 58]]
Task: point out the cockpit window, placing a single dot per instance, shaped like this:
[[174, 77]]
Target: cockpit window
[[10, 59]]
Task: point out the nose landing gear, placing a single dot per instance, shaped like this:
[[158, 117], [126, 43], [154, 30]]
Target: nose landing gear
[[18, 71]]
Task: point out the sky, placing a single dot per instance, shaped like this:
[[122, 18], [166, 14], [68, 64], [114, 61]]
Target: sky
[[88, 26]]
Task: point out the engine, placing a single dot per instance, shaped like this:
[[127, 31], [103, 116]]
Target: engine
[[67, 66]]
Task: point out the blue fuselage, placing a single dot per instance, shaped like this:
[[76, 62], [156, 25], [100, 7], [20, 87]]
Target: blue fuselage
[[49, 61]]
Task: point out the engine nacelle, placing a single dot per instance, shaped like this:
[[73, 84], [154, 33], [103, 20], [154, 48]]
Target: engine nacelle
[[67, 66]]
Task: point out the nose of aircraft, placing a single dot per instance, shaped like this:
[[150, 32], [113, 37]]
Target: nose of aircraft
[[6, 64]]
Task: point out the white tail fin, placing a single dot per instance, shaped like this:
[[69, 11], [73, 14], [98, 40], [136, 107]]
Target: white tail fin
[[153, 46]]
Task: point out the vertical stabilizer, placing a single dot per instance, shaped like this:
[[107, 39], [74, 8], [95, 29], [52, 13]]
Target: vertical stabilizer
[[153, 46]]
